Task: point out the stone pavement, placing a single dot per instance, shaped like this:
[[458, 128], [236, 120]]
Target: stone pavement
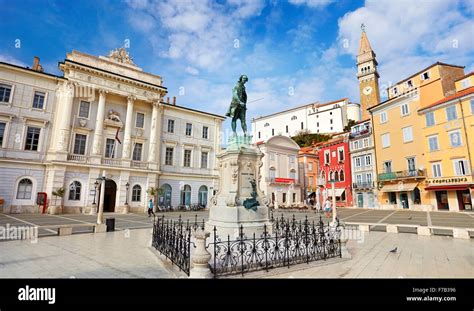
[[416, 257], [121, 254]]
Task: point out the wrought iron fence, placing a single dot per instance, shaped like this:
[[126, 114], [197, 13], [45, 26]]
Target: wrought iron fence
[[288, 242], [172, 238]]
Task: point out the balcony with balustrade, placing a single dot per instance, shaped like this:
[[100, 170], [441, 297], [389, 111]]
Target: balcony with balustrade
[[78, 158], [363, 185], [407, 174]]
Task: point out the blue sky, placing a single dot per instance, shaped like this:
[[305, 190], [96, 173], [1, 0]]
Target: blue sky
[[294, 52]]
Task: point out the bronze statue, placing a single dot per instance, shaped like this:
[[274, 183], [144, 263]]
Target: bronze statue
[[252, 203], [238, 106]]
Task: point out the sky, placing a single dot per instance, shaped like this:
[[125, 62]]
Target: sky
[[293, 51]]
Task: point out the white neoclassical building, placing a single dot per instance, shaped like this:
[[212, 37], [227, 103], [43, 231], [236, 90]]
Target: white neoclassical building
[[280, 174], [109, 119], [323, 118]]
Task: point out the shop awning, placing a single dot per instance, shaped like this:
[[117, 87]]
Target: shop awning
[[449, 187], [337, 191], [399, 187]]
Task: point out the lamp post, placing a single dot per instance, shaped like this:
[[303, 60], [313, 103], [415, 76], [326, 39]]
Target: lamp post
[[94, 205], [334, 211], [126, 208], [101, 202]]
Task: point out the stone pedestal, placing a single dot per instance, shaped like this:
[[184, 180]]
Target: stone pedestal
[[200, 258], [239, 167]]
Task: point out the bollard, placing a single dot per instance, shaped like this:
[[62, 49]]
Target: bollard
[[200, 258]]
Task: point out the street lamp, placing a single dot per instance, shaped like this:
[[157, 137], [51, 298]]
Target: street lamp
[[127, 186], [102, 180], [96, 184]]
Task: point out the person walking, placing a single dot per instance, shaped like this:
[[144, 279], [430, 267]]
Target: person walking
[[150, 208]]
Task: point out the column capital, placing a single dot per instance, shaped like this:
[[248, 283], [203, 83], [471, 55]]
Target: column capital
[[103, 91], [131, 98]]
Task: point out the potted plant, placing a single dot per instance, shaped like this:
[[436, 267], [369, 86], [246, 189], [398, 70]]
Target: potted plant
[[58, 193]]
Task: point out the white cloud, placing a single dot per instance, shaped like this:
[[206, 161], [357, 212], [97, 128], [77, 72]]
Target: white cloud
[[191, 70], [312, 3], [12, 60]]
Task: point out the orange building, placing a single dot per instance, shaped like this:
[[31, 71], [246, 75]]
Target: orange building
[[308, 161]]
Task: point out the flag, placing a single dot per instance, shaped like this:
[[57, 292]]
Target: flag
[[116, 136]]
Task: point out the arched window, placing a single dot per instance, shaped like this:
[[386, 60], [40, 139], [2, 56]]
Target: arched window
[[136, 193], [323, 177], [336, 176], [331, 175], [165, 198], [292, 174], [202, 200], [25, 187], [341, 175], [272, 173], [186, 195], [75, 191]]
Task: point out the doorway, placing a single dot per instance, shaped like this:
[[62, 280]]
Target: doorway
[[109, 196], [442, 200], [404, 200], [464, 199], [360, 200]]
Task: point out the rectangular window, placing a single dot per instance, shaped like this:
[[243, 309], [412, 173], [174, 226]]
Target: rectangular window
[[2, 133], [425, 75], [302, 125], [84, 108], [310, 166], [189, 129], [287, 128], [359, 179], [356, 145], [451, 113], [386, 140], [273, 132], [433, 143], [259, 135], [169, 156], [407, 134], [368, 160], [205, 132], [366, 142], [383, 117], [137, 152], [394, 91], [392, 197], [38, 100], [204, 157], [80, 144], [330, 121], [409, 84], [272, 156], [294, 197], [405, 110], [411, 164], [170, 126], [461, 167], [5, 91], [430, 121], [369, 178], [110, 148], [436, 167], [32, 138], [187, 158], [358, 162], [465, 83], [292, 159], [341, 154], [387, 166], [140, 121], [455, 138]]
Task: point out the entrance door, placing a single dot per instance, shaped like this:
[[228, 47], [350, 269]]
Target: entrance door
[[442, 200], [109, 195], [404, 200], [360, 200], [464, 199]]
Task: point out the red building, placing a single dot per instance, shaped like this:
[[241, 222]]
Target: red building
[[335, 164]]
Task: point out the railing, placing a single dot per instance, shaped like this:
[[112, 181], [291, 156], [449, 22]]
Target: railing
[[402, 174], [289, 242], [111, 162], [76, 158], [139, 164], [363, 185], [360, 133], [172, 238]]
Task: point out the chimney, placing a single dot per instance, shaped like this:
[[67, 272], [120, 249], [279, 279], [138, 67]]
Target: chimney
[[36, 64], [174, 100], [168, 100]]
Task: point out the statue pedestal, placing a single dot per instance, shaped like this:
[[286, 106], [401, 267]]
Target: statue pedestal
[[239, 166]]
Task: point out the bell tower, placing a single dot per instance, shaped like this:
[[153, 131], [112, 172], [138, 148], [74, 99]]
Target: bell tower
[[367, 75]]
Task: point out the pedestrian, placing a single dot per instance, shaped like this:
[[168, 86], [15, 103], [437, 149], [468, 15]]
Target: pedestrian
[[150, 208], [327, 208]]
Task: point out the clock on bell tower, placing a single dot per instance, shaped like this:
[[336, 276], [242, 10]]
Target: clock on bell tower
[[368, 75]]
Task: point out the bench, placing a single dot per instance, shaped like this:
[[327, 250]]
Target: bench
[[66, 229]]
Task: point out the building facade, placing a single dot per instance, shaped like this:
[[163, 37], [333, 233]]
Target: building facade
[[27, 104], [110, 121], [308, 161], [400, 156], [448, 134], [280, 177], [335, 166], [324, 118], [363, 170]]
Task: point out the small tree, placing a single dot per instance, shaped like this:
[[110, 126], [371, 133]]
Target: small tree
[[58, 193], [350, 124], [155, 193]]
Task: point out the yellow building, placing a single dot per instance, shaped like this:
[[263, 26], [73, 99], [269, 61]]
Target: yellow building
[[397, 127], [448, 141]]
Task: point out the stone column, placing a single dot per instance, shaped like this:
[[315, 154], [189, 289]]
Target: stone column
[[65, 102], [100, 215], [127, 141], [200, 257], [153, 154], [99, 126]]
